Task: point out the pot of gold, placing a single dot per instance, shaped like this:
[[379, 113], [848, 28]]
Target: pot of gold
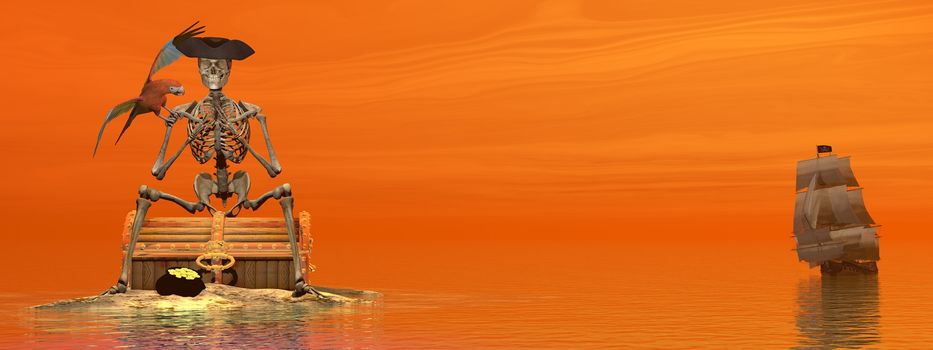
[[180, 281]]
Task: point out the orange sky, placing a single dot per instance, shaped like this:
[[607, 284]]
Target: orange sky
[[482, 121]]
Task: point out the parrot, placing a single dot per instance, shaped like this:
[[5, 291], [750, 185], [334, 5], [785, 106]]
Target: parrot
[[152, 97]]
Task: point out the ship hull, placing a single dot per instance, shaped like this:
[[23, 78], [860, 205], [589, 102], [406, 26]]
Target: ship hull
[[849, 267]]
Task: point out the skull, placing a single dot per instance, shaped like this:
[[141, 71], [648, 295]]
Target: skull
[[214, 72]]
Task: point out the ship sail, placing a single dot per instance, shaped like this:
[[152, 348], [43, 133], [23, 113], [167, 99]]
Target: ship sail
[[817, 254], [842, 209], [847, 173], [858, 206], [830, 171], [831, 222]]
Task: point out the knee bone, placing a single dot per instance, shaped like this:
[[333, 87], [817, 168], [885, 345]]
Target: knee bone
[[287, 189], [284, 190], [149, 193]]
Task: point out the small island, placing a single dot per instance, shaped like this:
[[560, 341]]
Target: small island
[[216, 296]]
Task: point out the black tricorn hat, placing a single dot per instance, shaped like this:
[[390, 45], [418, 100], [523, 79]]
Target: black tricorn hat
[[216, 48]]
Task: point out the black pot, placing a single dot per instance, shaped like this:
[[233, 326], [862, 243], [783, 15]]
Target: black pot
[[169, 284]]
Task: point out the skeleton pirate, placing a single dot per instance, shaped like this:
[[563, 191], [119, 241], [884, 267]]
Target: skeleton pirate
[[218, 129]]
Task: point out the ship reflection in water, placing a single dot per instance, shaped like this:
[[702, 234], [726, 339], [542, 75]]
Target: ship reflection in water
[[838, 312], [277, 327]]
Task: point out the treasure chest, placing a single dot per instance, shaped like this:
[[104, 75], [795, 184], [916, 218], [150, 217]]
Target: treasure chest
[[255, 252]]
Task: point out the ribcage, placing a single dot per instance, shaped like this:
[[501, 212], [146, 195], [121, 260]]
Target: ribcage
[[218, 132]]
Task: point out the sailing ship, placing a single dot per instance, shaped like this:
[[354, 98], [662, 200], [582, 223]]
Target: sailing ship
[[831, 225]]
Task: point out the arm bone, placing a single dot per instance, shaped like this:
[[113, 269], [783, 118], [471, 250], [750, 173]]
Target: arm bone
[[160, 168]]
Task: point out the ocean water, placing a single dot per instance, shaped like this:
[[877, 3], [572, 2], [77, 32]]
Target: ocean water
[[651, 296]]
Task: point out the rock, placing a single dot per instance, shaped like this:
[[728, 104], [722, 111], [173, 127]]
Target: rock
[[216, 296]]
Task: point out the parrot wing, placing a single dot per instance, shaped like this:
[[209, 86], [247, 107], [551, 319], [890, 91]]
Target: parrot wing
[[169, 53], [115, 112]]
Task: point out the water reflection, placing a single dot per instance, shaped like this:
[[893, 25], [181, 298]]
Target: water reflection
[[838, 311], [278, 327]]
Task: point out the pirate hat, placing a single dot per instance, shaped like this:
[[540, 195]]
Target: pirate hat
[[216, 48]]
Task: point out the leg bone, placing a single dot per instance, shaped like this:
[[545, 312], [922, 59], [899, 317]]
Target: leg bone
[[147, 195], [284, 195]]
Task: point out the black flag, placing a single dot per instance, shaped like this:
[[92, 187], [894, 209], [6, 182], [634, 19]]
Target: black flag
[[824, 149]]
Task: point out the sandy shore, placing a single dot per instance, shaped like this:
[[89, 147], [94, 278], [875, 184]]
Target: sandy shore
[[216, 296]]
